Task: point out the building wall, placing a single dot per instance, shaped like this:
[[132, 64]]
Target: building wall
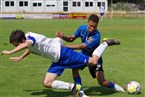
[[52, 6]]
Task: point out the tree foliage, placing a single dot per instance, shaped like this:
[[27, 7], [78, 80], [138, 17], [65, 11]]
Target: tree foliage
[[128, 1]]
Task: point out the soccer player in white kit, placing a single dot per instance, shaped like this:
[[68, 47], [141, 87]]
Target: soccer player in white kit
[[102, 10], [53, 49]]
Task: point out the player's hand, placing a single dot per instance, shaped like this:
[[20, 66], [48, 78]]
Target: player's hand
[[16, 59], [59, 34], [5, 52]]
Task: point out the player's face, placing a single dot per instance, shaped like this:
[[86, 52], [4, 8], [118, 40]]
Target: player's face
[[15, 44], [92, 26]]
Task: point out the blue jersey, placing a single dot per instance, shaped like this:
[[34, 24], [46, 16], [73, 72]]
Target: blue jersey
[[92, 40]]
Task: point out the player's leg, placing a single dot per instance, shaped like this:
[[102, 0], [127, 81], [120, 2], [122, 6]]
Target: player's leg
[[97, 72], [50, 82], [102, 15], [103, 82], [78, 81], [100, 50], [51, 75]]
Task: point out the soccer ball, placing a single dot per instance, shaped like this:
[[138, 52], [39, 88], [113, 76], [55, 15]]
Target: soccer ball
[[133, 87]]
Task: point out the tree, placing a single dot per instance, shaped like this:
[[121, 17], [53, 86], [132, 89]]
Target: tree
[[129, 1]]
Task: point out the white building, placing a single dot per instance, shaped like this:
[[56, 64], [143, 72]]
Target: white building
[[52, 6]]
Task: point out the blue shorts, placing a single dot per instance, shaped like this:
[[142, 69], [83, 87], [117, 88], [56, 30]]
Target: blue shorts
[[68, 59], [101, 14]]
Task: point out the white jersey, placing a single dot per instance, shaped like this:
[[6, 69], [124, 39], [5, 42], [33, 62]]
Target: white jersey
[[102, 9], [47, 47]]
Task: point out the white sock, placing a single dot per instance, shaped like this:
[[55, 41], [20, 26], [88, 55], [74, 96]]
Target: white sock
[[82, 92], [62, 85], [100, 49]]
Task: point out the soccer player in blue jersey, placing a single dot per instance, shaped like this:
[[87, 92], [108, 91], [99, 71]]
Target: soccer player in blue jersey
[[53, 49], [90, 37]]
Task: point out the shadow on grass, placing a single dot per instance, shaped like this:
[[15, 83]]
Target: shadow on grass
[[98, 91], [91, 91], [49, 93]]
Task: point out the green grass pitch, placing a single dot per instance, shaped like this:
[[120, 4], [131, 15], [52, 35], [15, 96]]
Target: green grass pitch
[[122, 63]]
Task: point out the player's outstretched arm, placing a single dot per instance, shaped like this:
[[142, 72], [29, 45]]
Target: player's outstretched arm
[[5, 52], [18, 48], [65, 38], [17, 59]]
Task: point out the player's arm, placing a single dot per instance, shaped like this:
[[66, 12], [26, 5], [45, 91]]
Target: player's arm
[[66, 38], [77, 47], [18, 48], [16, 59]]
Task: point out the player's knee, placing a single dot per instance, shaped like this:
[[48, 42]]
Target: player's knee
[[47, 84], [93, 61], [100, 83]]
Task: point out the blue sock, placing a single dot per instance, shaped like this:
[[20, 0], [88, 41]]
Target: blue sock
[[77, 80], [111, 85]]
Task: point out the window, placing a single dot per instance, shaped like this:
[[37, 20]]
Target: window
[[103, 4], [91, 4], [76, 4], [65, 5], [37, 4], [50, 5], [26, 3], [65, 8], [9, 3], [23, 3], [12, 3], [99, 4], [34, 4], [88, 4], [79, 4]]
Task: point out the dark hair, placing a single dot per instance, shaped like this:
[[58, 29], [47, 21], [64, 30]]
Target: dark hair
[[17, 36], [94, 18]]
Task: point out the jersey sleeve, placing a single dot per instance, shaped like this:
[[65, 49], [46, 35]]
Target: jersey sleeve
[[78, 32], [30, 38]]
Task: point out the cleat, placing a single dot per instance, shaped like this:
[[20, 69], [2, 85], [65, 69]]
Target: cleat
[[118, 88], [111, 42], [76, 89]]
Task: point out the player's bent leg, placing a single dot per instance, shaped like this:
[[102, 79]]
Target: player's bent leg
[[109, 84], [93, 60], [48, 79], [111, 42], [50, 82], [77, 81], [76, 89], [101, 79], [100, 50]]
